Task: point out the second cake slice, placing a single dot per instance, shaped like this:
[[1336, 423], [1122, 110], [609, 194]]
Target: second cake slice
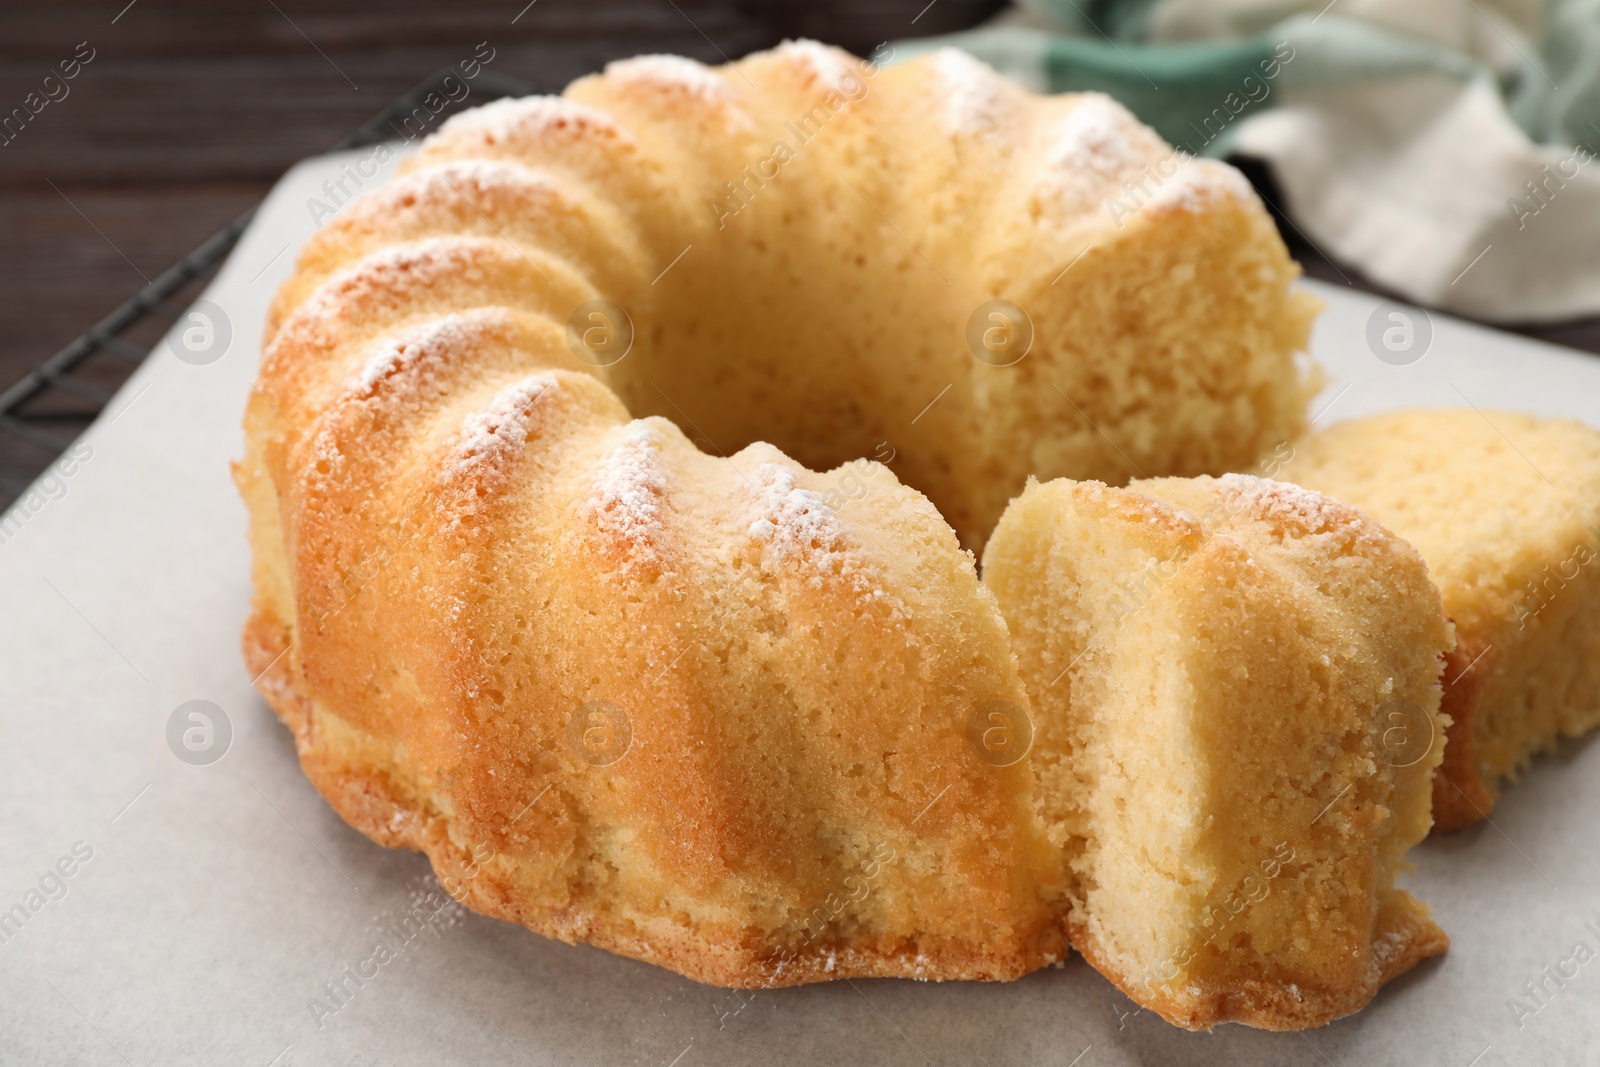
[[1506, 510], [1236, 690]]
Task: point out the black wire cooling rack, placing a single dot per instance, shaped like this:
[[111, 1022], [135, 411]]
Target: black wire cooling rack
[[169, 296]]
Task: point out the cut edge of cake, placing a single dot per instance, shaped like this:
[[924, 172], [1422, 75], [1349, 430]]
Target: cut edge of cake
[[1505, 508], [1112, 597]]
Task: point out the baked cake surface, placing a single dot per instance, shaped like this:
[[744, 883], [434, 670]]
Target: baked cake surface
[[683, 697], [1506, 510], [1235, 687], [809, 246], [628, 693]]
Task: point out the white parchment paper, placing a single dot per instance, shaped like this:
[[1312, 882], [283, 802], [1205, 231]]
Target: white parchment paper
[[217, 901]]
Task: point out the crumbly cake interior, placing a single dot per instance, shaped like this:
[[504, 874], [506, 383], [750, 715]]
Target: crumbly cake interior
[[1506, 510], [1215, 666]]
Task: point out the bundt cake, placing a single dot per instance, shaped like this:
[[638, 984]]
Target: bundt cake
[[539, 589], [1235, 686], [1506, 510]]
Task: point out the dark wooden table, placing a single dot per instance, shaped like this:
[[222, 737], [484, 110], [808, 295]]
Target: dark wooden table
[[190, 109]]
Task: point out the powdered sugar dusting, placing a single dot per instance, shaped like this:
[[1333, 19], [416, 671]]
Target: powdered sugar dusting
[[488, 195], [399, 271], [441, 339], [1299, 512], [320, 320], [406, 267], [489, 437], [399, 372], [974, 96], [388, 360], [803, 539], [627, 501], [478, 176], [671, 72], [1280, 500], [796, 524], [827, 65], [1199, 184], [513, 118], [1097, 136]]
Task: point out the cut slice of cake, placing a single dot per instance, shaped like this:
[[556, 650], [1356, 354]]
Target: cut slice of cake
[[1236, 688], [1506, 510]]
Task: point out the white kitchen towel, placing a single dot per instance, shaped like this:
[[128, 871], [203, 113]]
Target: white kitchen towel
[[1444, 148]]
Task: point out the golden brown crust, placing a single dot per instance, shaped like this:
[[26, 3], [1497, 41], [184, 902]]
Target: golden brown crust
[[1405, 937], [1460, 795], [368, 801], [374, 805]]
